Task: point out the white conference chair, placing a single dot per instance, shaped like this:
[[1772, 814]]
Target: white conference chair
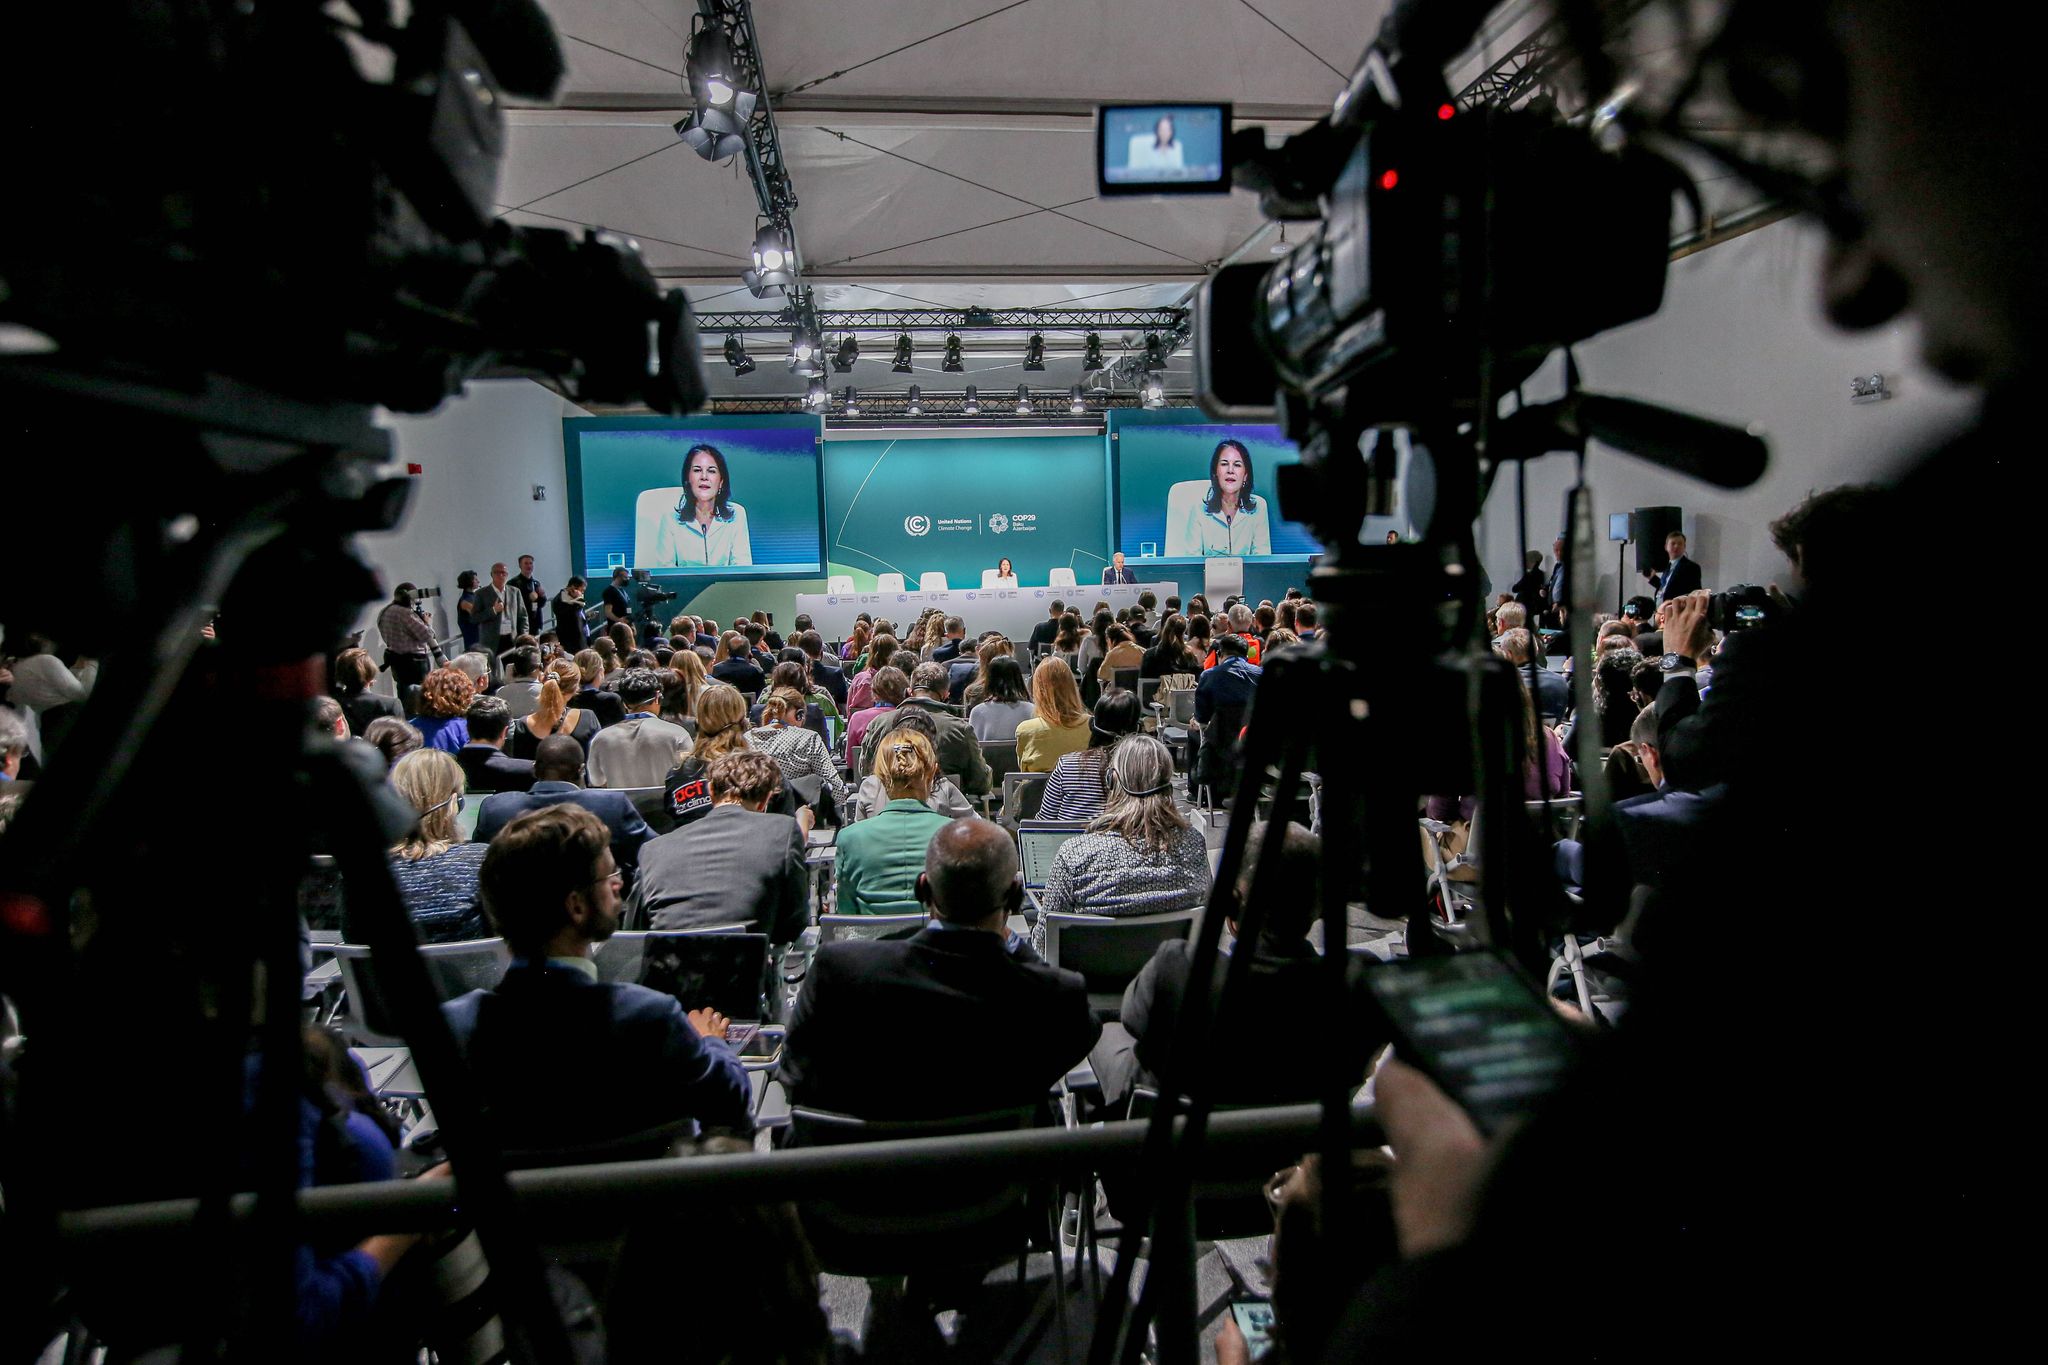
[[1061, 578], [931, 582], [992, 578], [839, 583], [889, 582], [648, 510]]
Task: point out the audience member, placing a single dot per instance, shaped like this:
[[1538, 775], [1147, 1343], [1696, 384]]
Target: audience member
[[1123, 653], [959, 753], [552, 714], [825, 670], [1170, 657], [740, 864], [860, 691], [1058, 724], [887, 688], [1546, 769], [435, 870], [1140, 856], [521, 692], [996, 1027], [483, 758], [798, 751], [856, 642], [955, 641], [557, 781], [329, 718], [642, 748], [1046, 631], [681, 682], [1005, 705], [394, 738], [1066, 644], [945, 798], [1226, 688], [878, 859], [1079, 783], [476, 667], [790, 675], [617, 1060], [1094, 645], [1612, 673], [1553, 690], [444, 701], [594, 667], [969, 682], [354, 672]]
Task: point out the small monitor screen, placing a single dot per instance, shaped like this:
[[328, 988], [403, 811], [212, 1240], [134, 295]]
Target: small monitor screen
[[1162, 149], [1617, 526]]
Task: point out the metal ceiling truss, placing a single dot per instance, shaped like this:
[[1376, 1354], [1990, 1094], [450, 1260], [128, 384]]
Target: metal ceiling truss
[[896, 320]]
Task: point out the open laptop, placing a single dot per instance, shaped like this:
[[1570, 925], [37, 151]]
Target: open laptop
[[724, 971], [1037, 846]]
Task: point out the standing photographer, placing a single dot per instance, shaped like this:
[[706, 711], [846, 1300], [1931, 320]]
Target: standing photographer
[[408, 639]]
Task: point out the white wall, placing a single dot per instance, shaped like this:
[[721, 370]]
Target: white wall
[[480, 456], [1740, 339]]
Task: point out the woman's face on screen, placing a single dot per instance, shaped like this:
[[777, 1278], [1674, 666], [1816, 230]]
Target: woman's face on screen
[[1003, 570], [1163, 131], [1231, 470], [703, 477]]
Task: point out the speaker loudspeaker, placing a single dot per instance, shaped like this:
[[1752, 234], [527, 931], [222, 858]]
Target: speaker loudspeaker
[[1647, 527]]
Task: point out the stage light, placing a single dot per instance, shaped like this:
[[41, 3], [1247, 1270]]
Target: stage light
[[814, 395], [952, 363], [737, 357], [971, 402], [1157, 350], [1024, 408], [913, 402], [1091, 352], [902, 365], [771, 248], [718, 133], [1153, 391], [1076, 404], [713, 75], [806, 353], [849, 351], [851, 402], [1034, 352]]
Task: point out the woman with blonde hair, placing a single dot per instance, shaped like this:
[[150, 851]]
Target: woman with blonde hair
[[552, 714], [1059, 723], [878, 860], [434, 867], [1140, 856], [679, 693], [444, 701]]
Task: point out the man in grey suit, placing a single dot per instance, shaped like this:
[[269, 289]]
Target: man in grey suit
[[500, 615], [737, 864]]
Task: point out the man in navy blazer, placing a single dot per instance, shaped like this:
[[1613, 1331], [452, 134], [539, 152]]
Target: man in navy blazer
[[1680, 577], [1117, 572], [958, 983], [557, 768], [561, 1058], [485, 764]]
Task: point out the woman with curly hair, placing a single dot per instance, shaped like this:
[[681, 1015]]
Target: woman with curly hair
[[444, 699]]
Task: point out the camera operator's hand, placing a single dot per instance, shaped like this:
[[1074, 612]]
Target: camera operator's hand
[[1440, 1160], [1686, 630]]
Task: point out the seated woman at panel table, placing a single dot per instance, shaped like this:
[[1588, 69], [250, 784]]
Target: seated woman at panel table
[[436, 870], [1006, 574], [878, 859], [1059, 723], [1139, 857]]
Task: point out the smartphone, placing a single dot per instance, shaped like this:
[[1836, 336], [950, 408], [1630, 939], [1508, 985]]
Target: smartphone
[[1478, 1028], [1255, 1320]]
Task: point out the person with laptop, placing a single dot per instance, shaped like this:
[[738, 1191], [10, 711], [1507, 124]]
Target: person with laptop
[[994, 1027], [562, 1059], [739, 864]]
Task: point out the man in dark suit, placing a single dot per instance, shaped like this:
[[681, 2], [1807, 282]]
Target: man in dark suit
[[956, 640], [961, 981], [557, 771], [1680, 577], [737, 864], [1046, 631], [1117, 573], [483, 759], [561, 1058], [825, 670], [1553, 690]]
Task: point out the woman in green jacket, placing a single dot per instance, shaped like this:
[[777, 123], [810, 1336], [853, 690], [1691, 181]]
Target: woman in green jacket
[[879, 858]]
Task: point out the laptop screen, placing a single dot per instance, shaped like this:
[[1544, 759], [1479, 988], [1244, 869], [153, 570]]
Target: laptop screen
[[1036, 848], [724, 971]]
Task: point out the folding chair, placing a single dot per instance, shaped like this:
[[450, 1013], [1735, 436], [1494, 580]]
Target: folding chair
[[654, 808], [835, 928], [1109, 952], [1001, 757], [1021, 794]]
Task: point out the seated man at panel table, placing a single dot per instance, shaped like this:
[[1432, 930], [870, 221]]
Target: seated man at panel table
[[561, 1058], [984, 1024], [960, 756], [1117, 572], [557, 774], [738, 864]]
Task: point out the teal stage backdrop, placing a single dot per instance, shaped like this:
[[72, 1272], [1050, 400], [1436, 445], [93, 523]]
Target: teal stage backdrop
[[958, 505]]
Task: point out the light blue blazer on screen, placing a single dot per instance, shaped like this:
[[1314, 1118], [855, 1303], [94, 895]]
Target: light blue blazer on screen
[[686, 545], [1192, 531]]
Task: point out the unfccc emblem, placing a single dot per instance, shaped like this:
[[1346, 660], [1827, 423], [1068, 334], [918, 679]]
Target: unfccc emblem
[[917, 525], [998, 523]]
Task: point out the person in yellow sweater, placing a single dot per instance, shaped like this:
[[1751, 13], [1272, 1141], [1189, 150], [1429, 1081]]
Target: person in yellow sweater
[[1060, 723]]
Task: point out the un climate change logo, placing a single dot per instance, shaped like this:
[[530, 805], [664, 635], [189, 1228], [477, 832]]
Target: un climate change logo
[[998, 523], [917, 525]]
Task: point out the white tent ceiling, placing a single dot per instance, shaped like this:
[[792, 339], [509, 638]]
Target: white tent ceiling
[[941, 151]]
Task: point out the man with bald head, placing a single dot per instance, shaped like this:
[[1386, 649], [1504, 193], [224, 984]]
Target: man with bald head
[[958, 1018]]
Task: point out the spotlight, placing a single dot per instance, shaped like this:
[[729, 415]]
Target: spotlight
[[1024, 400], [851, 403], [814, 395], [737, 357], [913, 402], [715, 133], [952, 363], [902, 365], [971, 403], [1153, 391], [713, 76], [771, 248], [806, 353], [1034, 352], [1091, 353], [1076, 404], [1157, 350], [849, 351]]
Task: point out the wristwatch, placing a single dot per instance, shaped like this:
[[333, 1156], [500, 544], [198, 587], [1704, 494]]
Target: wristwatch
[[1673, 663]]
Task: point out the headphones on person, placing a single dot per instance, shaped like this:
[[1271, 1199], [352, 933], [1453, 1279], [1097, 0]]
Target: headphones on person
[[1116, 779]]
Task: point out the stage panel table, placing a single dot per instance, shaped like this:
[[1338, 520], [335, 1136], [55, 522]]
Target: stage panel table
[[1013, 611]]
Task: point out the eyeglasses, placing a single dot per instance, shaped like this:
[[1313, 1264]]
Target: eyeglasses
[[615, 875]]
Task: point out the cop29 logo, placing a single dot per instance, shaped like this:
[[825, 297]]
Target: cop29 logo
[[917, 525], [998, 523]]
